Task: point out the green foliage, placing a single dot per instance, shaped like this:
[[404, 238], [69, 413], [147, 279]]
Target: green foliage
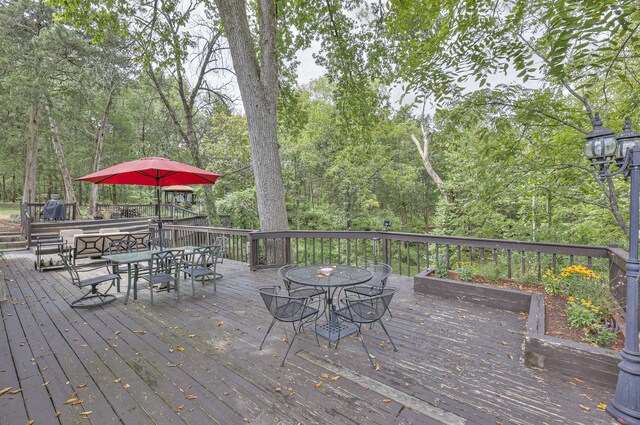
[[600, 334], [242, 207], [582, 315], [466, 272]]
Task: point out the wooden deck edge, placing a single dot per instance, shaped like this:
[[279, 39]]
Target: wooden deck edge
[[562, 356]]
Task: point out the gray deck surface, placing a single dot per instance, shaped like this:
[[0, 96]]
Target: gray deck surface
[[196, 361]]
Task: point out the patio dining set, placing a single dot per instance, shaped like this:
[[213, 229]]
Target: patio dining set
[[308, 300], [160, 266]]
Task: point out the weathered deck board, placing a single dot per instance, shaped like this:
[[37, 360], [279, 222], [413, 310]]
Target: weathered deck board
[[457, 362]]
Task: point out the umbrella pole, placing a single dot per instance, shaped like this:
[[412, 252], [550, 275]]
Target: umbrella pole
[[159, 217]]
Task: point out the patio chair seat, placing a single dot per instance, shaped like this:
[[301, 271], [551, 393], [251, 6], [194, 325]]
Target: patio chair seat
[[201, 265], [95, 297]]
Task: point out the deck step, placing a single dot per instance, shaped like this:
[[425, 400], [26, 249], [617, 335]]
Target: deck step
[[7, 245]]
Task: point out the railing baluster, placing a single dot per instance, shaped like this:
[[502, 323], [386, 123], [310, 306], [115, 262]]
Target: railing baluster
[[459, 252], [539, 265], [522, 265], [446, 256], [418, 257], [554, 263], [508, 264]]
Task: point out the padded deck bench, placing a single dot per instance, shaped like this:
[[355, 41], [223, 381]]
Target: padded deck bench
[[95, 245]]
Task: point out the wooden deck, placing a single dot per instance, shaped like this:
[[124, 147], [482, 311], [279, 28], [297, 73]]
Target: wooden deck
[[196, 361]]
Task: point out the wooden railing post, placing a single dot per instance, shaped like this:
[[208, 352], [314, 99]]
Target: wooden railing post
[[617, 273], [253, 252]]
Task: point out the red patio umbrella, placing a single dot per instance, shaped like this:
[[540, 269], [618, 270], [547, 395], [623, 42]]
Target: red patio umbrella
[[152, 171]]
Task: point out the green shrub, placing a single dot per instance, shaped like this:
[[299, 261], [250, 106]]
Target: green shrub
[[600, 334], [466, 272]]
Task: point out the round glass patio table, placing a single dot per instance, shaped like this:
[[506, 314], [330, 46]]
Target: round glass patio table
[[331, 278]]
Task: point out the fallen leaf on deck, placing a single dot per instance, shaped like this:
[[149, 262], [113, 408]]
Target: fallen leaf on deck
[[510, 356], [5, 390], [319, 384], [126, 386], [180, 348], [19, 390], [192, 335], [324, 376], [602, 406], [45, 384], [116, 333], [584, 407], [225, 393], [171, 365], [377, 367], [334, 378], [87, 413], [31, 422], [220, 324], [140, 332], [178, 409], [191, 397], [117, 381], [504, 343], [587, 397], [58, 413], [278, 390], [386, 400], [71, 400]]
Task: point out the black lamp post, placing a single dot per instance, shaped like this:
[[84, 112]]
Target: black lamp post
[[603, 150]]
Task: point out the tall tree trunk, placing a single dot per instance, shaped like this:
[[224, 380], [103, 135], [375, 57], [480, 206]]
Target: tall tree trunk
[[93, 203], [423, 150], [258, 83], [31, 166], [69, 193]]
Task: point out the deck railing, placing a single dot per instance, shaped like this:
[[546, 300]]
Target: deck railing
[[409, 253], [168, 211], [182, 235], [35, 212]]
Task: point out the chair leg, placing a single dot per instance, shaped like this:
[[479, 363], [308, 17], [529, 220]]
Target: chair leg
[[268, 330], [361, 338], [290, 344], [385, 331], [193, 286], [151, 290]]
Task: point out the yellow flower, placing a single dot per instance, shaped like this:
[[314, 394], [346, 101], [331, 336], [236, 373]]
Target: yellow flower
[[571, 299]]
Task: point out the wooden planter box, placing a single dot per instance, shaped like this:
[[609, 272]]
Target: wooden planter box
[[556, 354]]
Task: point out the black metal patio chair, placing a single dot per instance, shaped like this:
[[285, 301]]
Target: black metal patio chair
[[162, 273], [367, 310], [380, 273], [296, 289], [287, 309], [95, 297], [200, 265]]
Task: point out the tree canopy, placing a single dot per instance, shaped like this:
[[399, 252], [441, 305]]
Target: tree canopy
[[515, 87]]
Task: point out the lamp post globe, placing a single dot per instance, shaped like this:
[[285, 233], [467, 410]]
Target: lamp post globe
[[625, 152]]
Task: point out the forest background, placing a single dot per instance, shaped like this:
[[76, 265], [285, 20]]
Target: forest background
[[503, 93]]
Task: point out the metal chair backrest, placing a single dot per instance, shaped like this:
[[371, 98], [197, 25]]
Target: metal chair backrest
[[166, 262], [223, 243], [282, 272], [370, 309], [204, 256], [380, 273], [70, 267], [117, 247], [282, 307]]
